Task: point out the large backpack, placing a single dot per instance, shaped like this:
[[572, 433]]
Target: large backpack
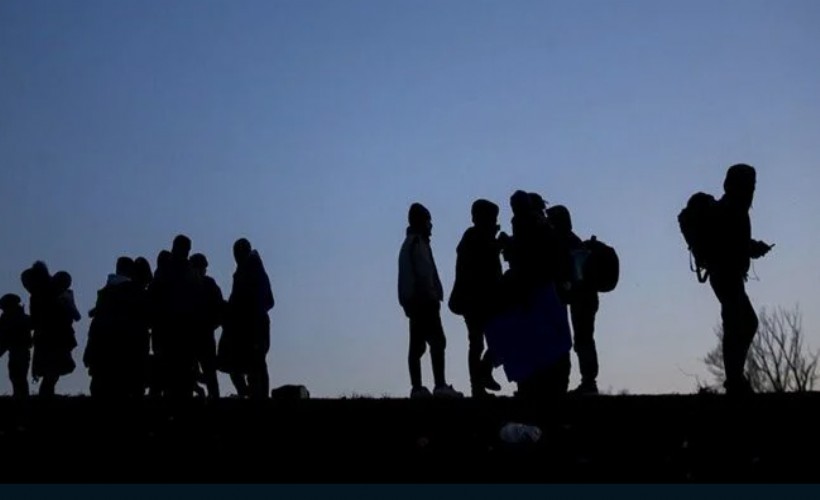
[[602, 267], [696, 222]]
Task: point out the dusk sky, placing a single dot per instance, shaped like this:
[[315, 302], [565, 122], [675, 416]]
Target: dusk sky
[[309, 127]]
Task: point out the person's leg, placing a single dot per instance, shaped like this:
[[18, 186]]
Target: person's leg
[[240, 383], [532, 387], [475, 337], [416, 350], [131, 375], [487, 364], [582, 313], [160, 374], [438, 343], [557, 379], [479, 360], [174, 384], [184, 375], [18, 372], [258, 378], [734, 304], [207, 361], [548, 382], [48, 385], [748, 326]]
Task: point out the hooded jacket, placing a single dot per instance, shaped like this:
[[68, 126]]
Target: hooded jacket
[[419, 282]]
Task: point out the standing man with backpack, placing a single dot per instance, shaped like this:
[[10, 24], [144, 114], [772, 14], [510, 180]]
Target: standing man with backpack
[[719, 235], [594, 267]]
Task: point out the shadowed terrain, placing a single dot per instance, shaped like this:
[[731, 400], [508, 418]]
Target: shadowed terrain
[[703, 438]]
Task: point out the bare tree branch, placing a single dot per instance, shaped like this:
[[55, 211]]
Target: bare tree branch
[[778, 360]]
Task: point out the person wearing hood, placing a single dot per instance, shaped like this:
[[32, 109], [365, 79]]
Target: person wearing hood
[[173, 300], [53, 334], [476, 288], [65, 297], [583, 304], [532, 246], [245, 340], [728, 271], [116, 351], [420, 295]]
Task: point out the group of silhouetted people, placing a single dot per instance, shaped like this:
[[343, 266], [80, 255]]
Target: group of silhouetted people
[[543, 255], [53, 313], [552, 273], [150, 331], [155, 332]]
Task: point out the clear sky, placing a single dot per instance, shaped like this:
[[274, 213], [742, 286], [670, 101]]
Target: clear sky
[[310, 127]]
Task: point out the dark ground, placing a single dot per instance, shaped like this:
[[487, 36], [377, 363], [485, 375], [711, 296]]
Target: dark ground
[[704, 438]]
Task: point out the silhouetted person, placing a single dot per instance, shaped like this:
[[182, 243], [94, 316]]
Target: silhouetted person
[[117, 348], [67, 312], [143, 276], [181, 295], [420, 295], [164, 258], [245, 340], [65, 297], [53, 331], [476, 289], [142, 272], [15, 338], [520, 244], [531, 335], [583, 299], [160, 325], [728, 270], [557, 261], [527, 251], [538, 206], [210, 316], [532, 252]]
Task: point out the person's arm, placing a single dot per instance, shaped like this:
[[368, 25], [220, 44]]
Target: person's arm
[[75, 313], [464, 266], [426, 289], [267, 292], [758, 249], [218, 304], [406, 281], [3, 334]]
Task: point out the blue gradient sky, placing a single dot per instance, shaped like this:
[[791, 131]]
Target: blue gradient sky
[[310, 127]]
